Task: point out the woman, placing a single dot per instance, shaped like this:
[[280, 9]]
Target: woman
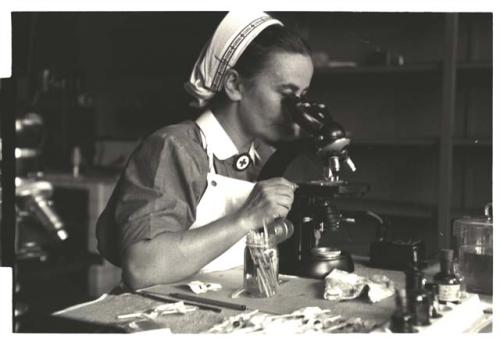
[[188, 196]]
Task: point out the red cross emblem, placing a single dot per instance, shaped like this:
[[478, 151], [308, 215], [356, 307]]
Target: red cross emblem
[[242, 162]]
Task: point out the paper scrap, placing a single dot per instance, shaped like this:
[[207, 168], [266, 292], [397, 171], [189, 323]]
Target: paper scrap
[[199, 287]]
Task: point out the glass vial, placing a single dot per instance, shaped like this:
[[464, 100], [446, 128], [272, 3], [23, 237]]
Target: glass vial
[[447, 281], [261, 265]]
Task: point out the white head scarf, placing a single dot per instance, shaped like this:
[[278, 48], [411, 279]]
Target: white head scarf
[[235, 32]]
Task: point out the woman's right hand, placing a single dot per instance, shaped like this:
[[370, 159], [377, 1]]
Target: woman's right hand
[[269, 199]]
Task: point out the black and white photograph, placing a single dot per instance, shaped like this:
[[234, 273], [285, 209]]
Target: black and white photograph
[[248, 171]]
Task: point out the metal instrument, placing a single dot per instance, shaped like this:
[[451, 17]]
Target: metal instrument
[[33, 197], [329, 137], [314, 211], [33, 204], [33, 194]]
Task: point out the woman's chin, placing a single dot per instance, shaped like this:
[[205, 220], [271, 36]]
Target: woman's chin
[[285, 133], [277, 139]]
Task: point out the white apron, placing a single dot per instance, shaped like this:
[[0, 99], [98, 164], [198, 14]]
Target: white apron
[[223, 196]]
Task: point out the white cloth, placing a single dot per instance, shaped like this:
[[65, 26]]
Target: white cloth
[[235, 32], [223, 195], [220, 142]]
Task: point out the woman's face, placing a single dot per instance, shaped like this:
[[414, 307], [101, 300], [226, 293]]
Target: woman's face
[[261, 103]]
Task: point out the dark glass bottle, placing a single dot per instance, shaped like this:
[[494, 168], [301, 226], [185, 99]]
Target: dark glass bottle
[[418, 298], [411, 269], [401, 319], [447, 281]]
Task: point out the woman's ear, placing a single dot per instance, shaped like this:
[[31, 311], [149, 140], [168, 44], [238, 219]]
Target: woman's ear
[[232, 85]]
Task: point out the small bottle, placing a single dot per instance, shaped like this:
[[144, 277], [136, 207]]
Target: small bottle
[[401, 319], [418, 299], [448, 283], [413, 274]]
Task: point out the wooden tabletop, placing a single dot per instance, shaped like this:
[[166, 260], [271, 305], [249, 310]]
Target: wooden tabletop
[[293, 293]]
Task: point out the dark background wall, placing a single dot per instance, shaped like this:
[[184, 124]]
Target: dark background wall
[[115, 77], [132, 67]]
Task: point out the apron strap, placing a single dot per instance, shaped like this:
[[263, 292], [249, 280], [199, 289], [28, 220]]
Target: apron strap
[[210, 154]]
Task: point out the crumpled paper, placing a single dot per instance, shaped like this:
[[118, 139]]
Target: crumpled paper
[[341, 285], [199, 287], [160, 310]]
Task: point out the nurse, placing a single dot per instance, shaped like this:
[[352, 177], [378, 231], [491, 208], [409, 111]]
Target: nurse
[[188, 195]]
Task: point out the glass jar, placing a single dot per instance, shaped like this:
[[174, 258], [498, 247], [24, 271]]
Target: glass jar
[[474, 243], [261, 265]]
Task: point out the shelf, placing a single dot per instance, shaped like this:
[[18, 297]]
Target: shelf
[[472, 142], [478, 66], [474, 212], [393, 142], [388, 207], [409, 68], [402, 209], [417, 142]]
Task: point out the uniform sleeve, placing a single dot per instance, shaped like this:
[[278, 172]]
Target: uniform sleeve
[[159, 190]]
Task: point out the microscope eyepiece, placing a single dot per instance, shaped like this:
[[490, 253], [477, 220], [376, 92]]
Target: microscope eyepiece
[[328, 135]]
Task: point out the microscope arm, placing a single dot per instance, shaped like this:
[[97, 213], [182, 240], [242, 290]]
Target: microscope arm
[[285, 152]]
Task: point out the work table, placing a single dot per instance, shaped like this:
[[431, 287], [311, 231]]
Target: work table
[[293, 293]]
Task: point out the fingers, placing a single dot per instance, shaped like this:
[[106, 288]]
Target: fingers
[[277, 195], [270, 199], [282, 211], [279, 183], [277, 187], [281, 191]]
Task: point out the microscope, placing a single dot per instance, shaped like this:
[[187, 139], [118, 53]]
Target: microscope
[[37, 223], [313, 211], [33, 195]]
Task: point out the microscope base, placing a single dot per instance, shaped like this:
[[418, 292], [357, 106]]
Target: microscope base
[[318, 268]]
